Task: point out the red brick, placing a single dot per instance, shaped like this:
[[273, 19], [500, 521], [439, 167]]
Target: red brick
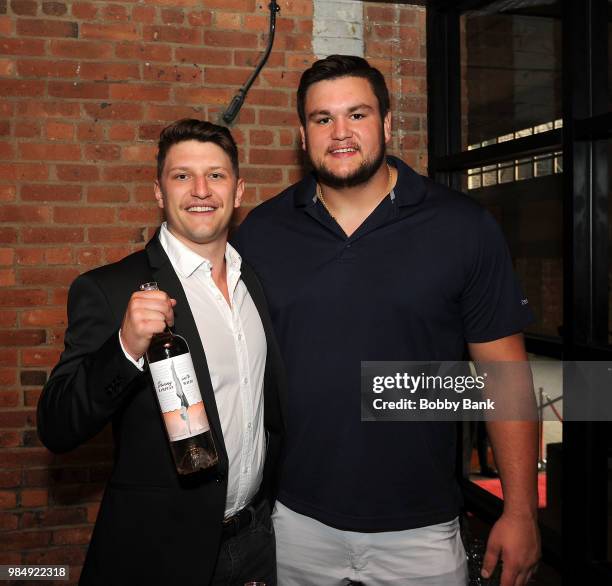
[[278, 79], [7, 150], [150, 215], [235, 5], [54, 8], [111, 32], [172, 16], [46, 277], [59, 108], [227, 76], [6, 25], [19, 540], [84, 49], [25, 129], [59, 130], [121, 132], [84, 10], [231, 39], [114, 12], [55, 316], [129, 173], [145, 153], [89, 257], [40, 68], [114, 111], [8, 499], [278, 118], [143, 51], [10, 439], [7, 68], [17, 419], [73, 557], [24, 7], [261, 175], [112, 71], [200, 18], [7, 255], [229, 21], [22, 337], [7, 277], [116, 234], [8, 521], [50, 151], [9, 399], [58, 256], [80, 215], [47, 28], [203, 56], [50, 192], [22, 298], [380, 14], [172, 34], [34, 497], [24, 171], [172, 73], [21, 88], [140, 92], [171, 113], [22, 47], [150, 131], [89, 131], [30, 256], [268, 98], [107, 193], [5, 127], [42, 357], [51, 235], [116, 253], [143, 14], [25, 214], [273, 157], [203, 95], [77, 172], [7, 193], [76, 535], [10, 478], [102, 152], [8, 235], [8, 319]]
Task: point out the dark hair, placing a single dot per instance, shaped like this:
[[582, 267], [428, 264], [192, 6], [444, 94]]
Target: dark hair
[[336, 66], [200, 130]]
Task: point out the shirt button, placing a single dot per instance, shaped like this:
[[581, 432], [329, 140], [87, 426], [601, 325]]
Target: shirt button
[[239, 336], [245, 380], [249, 426]]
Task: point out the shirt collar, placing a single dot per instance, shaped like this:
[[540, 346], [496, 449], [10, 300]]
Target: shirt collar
[[409, 189], [185, 261]]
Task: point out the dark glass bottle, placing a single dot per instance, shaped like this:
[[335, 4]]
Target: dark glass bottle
[[180, 401]]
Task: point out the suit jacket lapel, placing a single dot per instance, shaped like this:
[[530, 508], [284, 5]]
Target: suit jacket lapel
[[184, 324]]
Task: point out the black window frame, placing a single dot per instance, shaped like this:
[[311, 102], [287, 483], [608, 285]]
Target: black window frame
[[581, 552]]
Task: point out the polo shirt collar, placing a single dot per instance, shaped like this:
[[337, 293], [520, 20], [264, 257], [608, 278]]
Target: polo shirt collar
[[409, 189]]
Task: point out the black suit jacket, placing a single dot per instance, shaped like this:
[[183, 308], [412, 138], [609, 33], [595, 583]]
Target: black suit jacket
[[153, 527]]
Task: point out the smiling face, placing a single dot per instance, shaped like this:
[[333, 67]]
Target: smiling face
[[344, 135], [198, 191]]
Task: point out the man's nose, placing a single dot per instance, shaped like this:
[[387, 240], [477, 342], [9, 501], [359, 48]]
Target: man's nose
[[200, 186], [341, 129]]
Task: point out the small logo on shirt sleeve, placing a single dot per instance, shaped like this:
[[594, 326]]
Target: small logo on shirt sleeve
[[525, 301]]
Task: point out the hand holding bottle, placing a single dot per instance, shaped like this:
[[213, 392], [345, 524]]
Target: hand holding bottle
[[148, 313]]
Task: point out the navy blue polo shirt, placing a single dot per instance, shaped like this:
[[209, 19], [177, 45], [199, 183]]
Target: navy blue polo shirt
[[426, 272]]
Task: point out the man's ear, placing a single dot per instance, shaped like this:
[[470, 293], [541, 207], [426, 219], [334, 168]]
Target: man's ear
[[159, 196], [240, 185], [387, 127], [303, 135]]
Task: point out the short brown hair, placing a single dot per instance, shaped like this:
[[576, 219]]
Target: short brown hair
[[200, 130]]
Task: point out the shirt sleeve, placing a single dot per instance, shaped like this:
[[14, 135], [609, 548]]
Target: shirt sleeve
[[139, 364], [493, 305]]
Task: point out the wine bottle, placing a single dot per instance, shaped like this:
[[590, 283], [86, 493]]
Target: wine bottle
[[180, 400]]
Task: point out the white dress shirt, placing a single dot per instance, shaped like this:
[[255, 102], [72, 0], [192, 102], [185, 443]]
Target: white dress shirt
[[235, 346]]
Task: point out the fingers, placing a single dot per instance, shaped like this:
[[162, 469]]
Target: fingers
[[490, 559], [148, 313]]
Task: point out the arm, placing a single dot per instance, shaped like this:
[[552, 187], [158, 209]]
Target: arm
[[93, 377], [515, 536]]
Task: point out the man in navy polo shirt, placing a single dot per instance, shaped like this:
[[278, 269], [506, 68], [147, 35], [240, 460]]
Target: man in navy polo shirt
[[366, 260]]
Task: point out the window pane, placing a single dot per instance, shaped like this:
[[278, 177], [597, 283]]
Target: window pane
[[511, 73], [529, 210]]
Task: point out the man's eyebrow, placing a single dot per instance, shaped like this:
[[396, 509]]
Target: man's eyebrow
[[187, 168], [350, 110]]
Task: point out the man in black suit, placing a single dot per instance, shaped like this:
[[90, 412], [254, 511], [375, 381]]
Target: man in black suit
[[154, 526]]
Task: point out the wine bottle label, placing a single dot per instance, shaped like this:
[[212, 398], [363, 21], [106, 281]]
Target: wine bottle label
[[179, 397]]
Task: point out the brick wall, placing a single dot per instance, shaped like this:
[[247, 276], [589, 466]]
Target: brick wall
[[86, 88]]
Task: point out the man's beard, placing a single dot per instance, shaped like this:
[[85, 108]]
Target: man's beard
[[363, 173]]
